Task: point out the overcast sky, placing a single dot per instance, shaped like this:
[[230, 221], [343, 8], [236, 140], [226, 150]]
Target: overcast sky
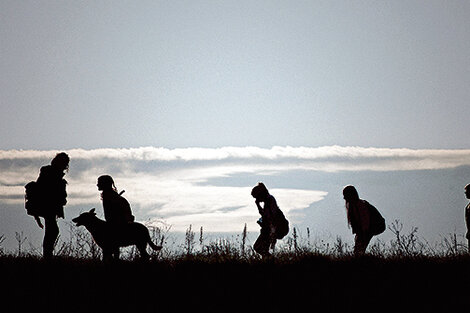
[[94, 74], [307, 96]]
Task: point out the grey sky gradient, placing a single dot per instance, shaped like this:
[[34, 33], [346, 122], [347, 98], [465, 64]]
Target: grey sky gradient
[[94, 74]]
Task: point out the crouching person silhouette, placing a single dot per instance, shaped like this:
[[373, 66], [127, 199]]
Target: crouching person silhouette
[[117, 210], [364, 219], [467, 215], [273, 223]]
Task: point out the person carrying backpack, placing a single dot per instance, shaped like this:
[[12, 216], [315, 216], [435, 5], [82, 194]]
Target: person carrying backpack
[[364, 219], [273, 223], [49, 198], [467, 215], [117, 210]]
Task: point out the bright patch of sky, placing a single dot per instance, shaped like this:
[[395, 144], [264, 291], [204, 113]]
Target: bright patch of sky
[[210, 188]]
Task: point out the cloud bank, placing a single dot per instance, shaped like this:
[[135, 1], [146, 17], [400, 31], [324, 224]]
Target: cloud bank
[[337, 157], [176, 185]]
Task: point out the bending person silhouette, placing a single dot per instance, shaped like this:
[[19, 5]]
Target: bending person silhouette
[[267, 237], [52, 199], [467, 215], [364, 219], [117, 210]]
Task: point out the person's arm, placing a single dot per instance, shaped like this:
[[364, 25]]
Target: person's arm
[[260, 208], [365, 217], [467, 215], [107, 208], [38, 221], [270, 207], [467, 220]]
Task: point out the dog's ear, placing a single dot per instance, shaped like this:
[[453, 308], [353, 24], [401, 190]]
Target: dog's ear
[[93, 211]]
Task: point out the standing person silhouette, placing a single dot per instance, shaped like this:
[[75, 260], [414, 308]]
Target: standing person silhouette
[[358, 219], [267, 237], [117, 210], [53, 197], [467, 215]]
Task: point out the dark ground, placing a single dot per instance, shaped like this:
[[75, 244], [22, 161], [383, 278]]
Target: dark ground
[[307, 284]]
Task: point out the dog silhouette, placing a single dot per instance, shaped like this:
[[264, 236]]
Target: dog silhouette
[[110, 237]]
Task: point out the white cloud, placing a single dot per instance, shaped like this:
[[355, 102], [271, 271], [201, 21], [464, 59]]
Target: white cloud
[[390, 159], [174, 184], [226, 208]]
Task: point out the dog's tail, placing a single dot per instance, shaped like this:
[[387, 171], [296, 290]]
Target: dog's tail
[[154, 246]]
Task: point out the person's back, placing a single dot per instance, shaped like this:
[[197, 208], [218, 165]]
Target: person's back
[[117, 209], [52, 189]]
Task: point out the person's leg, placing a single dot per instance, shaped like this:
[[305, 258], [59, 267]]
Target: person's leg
[[273, 243], [50, 236], [360, 244], [261, 245]]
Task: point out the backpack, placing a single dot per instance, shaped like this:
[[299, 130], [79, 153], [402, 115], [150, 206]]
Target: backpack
[[281, 224], [31, 198], [377, 222], [125, 208]]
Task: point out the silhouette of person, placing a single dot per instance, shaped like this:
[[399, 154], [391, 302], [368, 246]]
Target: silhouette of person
[[467, 215], [117, 210], [358, 219], [53, 197], [266, 239]]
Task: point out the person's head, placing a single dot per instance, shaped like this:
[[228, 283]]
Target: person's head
[[105, 182], [467, 191], [61, 161], [260, 192], [350, 194], [351, 197]]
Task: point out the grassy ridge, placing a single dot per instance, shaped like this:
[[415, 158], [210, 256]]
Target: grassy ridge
[[203, 284], [405, 275]]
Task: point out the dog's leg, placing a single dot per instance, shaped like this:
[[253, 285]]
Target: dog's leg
[[107, 255], [116, 253], [143, 251]]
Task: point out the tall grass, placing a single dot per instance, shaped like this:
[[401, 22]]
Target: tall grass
[[298, 244], [2, 239]]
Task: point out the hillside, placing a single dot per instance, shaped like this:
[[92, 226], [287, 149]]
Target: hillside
[[309, 283]]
